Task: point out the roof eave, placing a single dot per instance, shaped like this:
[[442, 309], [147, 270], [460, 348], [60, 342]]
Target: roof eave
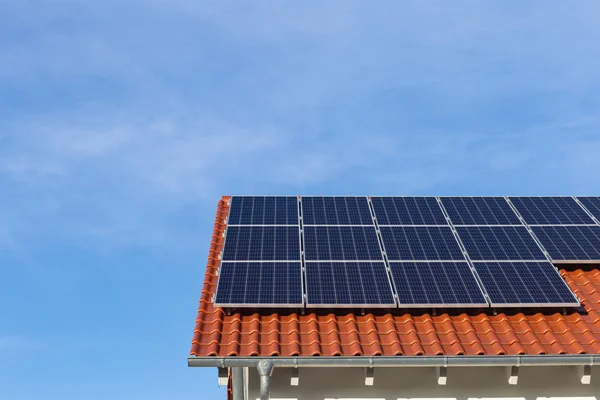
[[400, 361]]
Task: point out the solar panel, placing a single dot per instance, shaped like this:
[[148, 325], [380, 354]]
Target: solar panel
[[263, 210], [524, 284], [408, 211], [262, 243], [343, 243], [436, 284], [336, 211], [491, 243], [551, 211], [570, 243], [260, 284], [592, 204], [331, 284], [480, 211], [420, 243]]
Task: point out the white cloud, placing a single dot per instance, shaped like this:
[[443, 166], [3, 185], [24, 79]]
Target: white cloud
[[128, 124]]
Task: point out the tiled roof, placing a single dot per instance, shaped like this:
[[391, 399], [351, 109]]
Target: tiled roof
[[342, 333]]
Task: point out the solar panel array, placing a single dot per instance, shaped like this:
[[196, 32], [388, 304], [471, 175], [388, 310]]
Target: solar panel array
[[409, 252]]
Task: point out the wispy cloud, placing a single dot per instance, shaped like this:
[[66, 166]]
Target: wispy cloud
[[410, 98], [11, 342]]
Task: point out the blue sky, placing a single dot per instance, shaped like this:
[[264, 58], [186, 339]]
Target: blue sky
[[123, 122]]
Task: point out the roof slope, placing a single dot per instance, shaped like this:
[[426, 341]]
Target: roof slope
[[281, 333]]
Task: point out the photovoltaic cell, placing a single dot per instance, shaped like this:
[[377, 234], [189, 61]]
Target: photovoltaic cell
[[260, 283], [343, 243], [262, 243], [499, 243], [570, 243], [480, 211], [408, 211], [263, 210], [524, 283], [551, 211], [592, 204], [336, 211], [436, 284], [420, 243], [348, 283]]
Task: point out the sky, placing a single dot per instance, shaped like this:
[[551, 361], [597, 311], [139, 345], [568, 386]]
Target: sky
[[122, 123]]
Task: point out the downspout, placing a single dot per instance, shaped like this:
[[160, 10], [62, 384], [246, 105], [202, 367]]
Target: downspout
[[237, 387], [265, 369]]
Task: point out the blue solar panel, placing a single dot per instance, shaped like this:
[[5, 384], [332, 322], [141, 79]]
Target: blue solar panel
[[348, 283], [480, 211], [408, 211], [436, 284], [260, 283], [551, 211], [420, 243], [499, 243], [343, 243], [263, 210], [570, 243], [262, 243], [592, 204], [524, 283], [336, 211]]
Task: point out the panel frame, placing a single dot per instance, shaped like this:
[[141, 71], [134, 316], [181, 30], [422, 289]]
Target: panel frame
[[391, 288], [535, 239], [582, 205], [300, 205], [341, 226], [260, 195], [260, 305], [385, 252], [473, 197], [563, 261], [443, 305], [260, 226], [407, 225], [532, 305], [509, 199], [300, 260]]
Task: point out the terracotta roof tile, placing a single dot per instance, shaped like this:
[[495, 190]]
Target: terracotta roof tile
[[279, 333]]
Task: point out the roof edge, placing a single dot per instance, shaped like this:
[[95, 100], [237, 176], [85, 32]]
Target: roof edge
[[400, 361]]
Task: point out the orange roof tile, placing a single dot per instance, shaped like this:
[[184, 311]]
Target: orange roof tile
[[343, 333]]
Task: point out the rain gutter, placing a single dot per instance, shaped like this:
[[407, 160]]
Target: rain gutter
[[399, 361]]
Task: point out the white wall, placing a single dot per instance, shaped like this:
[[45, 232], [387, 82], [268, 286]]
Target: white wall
[[464, 383]]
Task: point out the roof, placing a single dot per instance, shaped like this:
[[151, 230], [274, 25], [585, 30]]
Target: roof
[[342, 333]]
